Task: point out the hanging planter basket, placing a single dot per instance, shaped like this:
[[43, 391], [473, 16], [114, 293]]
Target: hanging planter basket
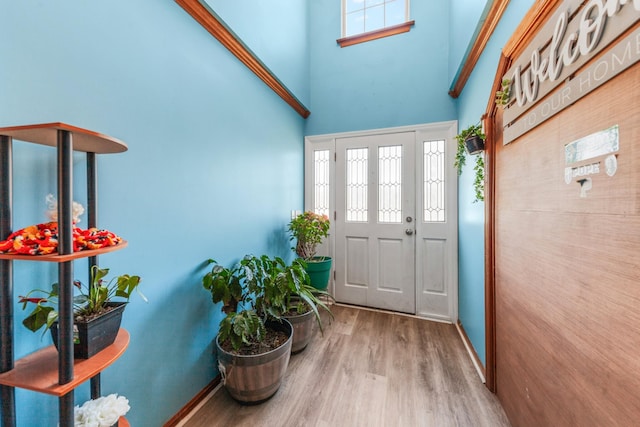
[[474, 144]]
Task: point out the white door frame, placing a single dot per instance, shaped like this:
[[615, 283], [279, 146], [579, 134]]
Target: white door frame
[[446, 130]]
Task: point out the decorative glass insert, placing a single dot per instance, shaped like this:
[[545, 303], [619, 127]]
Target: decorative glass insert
[[357, 170], [433, 186], [361, 16], [321, 182], [390, 184]]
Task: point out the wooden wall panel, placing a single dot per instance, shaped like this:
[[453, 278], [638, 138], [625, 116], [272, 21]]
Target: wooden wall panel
[[567, 273]]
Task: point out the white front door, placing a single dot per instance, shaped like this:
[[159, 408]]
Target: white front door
[[374, 247], [392, 197]]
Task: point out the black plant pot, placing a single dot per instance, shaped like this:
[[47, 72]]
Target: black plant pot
[[91, 337], [474, 144]]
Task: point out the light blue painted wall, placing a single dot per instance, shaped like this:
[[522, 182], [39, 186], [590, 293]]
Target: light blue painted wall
[[214, 168], [276, 31], [471, 105], [464, 22], [394, 81]]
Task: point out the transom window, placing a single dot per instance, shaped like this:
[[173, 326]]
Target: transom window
[[363, 16]]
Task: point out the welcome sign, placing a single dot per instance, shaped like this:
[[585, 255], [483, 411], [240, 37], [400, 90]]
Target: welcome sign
[[545, 79]]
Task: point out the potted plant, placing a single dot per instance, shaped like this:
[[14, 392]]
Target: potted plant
[[301, 315], [504, 94], [295, 299], [97, 315], [309, 230], [471, 141], [254, 341]]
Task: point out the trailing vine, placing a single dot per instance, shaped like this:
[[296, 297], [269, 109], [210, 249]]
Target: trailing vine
[[504, 94], [461, 157], [473, 130], [478, 182]]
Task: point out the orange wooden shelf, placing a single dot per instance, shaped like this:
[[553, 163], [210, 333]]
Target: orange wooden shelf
[[69, 257], [83, 139], [39, 371]]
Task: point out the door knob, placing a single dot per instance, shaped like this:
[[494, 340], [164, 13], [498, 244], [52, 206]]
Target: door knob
[[408, 231]]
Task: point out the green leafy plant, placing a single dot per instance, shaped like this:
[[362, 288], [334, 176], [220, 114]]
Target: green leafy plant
[[309, 230], [255, 290], [478, 182], [227, 285], [91, 301], [461, 152], [461, 157], [287, 288], [504, 94]]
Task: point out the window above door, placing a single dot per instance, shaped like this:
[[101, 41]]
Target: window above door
[[365, 20]]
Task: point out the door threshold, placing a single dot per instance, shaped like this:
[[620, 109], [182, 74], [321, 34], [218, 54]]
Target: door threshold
[[399, 313]]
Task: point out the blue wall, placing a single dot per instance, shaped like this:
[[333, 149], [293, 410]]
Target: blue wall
[[472, 104], [394, 81], [464, 23], [214, 168], [276, 31]]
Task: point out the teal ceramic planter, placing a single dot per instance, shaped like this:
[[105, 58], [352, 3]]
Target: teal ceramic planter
[[319, 269]]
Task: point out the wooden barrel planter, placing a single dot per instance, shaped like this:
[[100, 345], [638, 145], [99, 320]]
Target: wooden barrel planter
[[253, 379], [302, 329]]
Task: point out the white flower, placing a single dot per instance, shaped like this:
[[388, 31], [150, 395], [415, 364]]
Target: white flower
[[101, 412]]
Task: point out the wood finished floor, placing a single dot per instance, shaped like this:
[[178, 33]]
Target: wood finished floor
[[370, 369]]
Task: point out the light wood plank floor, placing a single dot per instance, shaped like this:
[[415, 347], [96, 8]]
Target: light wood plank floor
[[369, 369]]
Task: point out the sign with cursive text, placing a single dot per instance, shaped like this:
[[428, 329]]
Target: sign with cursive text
[[574, 35]]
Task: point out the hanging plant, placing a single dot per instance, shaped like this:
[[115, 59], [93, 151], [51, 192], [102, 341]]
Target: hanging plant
[[471, 141], [478, 182], [504, 94]]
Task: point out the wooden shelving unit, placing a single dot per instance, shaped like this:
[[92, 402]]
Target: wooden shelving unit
[[68, 257], [49, 370], [39, 371]]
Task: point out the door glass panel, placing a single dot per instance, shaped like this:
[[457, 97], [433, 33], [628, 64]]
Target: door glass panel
[[357, 159], [434, 182], [390, 184], [321, 182]]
